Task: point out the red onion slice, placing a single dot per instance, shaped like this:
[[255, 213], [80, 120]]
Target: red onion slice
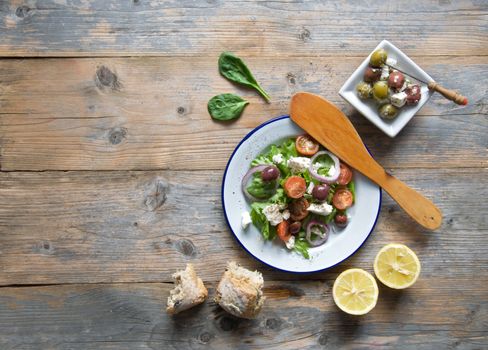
[[248, 176], [322, 238], [325, 179]]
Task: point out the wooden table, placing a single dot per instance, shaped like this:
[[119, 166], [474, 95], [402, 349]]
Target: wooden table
[[111, 170]]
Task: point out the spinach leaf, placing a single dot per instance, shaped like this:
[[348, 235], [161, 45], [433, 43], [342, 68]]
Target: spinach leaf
[[234, 69], [226, 106]]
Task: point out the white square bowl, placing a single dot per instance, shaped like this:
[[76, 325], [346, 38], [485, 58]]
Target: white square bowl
[[369, 108]]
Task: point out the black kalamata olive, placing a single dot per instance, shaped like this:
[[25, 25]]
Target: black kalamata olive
[[295, 227], [340, 220], [320, 192], [371, 75], [270, 173], [396, 80]]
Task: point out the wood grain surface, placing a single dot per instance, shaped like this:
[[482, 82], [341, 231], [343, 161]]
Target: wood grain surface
[[110, 170], [90, 227], [260, 28], [295, 316], [150, 113]]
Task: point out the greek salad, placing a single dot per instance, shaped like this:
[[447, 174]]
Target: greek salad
[[297, 191]]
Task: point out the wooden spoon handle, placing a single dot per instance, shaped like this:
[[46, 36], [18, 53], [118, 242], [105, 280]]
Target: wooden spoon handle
[[417, 206], [449, 94]]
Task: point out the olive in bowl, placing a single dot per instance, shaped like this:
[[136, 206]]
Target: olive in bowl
[[377, 64], [388, 87]]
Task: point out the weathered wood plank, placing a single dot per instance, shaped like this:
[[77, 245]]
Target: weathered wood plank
[[93, 227], [54, 28], [295, 316], [150, 113]]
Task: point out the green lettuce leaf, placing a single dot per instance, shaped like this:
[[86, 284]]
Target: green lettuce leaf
[[259, 220], [352, 188], [324, 163], [301, 246], [261, 189]]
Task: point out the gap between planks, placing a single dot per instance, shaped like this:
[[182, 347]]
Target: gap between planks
[[481, 166]]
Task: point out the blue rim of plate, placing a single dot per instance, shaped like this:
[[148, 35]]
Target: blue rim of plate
[[234, 234]]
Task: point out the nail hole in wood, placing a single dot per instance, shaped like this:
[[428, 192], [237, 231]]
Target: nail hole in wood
[[106, 78], [228, 323], [205, 337], [304, 34], [273, 323], [291, 78], [117, 135], [186, 247], [323, 339], [157, 195], [22, 11]]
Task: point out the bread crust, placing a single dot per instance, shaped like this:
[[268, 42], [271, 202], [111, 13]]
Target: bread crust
[[189, 291], [239, 292]]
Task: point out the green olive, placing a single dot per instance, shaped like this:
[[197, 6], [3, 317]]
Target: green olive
[[388, 111], [364, 90], [378, 58], [380, 90]]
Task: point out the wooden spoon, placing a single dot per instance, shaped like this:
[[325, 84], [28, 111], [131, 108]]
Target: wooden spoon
[[330, 127]]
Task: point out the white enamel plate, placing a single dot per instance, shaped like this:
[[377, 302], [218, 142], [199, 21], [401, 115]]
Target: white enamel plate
[[340, 245]]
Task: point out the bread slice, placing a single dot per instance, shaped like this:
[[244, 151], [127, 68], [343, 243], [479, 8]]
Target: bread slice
[[188, 291], [240, 291]]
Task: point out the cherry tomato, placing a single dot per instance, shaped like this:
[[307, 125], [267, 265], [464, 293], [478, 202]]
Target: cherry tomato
[[283, 230], [298, 209], [342, 199], [295, 186], [306, 145], [345, 175]]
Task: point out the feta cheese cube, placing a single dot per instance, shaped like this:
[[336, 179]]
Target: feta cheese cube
[[290, 244], [332, 170], [245, 219], [385, 73], [405, 85], [278, 158], [320, 209], [399, 99], [285, 214], [317, 231], [298, 164], [310, 188], [273, 215], [316, 166]]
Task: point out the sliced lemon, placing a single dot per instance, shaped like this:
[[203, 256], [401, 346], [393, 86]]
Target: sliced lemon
[[396, 266], [355, 291]]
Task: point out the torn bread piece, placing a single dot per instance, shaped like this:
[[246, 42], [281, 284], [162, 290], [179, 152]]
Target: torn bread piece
[[188, 291], [240, 291]]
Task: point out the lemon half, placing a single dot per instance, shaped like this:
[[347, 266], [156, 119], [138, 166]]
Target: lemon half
[[355, 291], [396, 266]]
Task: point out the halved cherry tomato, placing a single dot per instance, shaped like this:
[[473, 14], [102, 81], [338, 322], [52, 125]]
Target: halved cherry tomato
[[345, 175], [306, 145], [342, 199], [298, 209], [283, 230], [295, 186]]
